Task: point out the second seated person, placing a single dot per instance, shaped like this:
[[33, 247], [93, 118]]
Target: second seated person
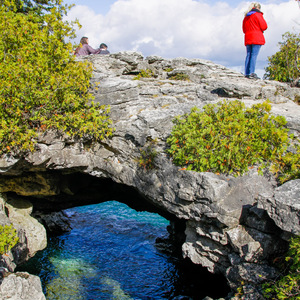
[[103, 48]]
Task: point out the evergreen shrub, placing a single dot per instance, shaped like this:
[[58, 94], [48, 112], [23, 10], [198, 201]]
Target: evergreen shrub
[[288, 285], [8, 238], [179, 76], [144, 74], [147, 156], [284, 65], [229, 138]]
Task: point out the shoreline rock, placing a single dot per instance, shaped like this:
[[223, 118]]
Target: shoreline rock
[[21, 285]]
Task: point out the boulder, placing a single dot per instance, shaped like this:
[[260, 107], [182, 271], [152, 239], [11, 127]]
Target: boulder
[[21, 285], [283, 206], [54, 222], [33, 233]]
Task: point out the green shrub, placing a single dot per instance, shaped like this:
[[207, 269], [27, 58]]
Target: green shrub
[[179, 76], [228, 138], [144, 74], [147, 156], [287, 166], [42, 86], [8, 238], [288, 286], [168, 69], [284, 65]]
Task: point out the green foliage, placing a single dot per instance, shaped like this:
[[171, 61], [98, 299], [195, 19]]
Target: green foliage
[[179, 76], [37, 6], [240, 291], [42, 86], [228, 138], [287, 166], [8, 238], [284, 65], [144, 74], [168, 69], [147, 157], [288, 286]]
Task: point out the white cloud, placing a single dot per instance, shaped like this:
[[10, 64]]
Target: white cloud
[[186, 28]]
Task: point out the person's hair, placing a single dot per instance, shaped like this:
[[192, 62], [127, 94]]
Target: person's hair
[[255, 5], [83, 41], [102, 45]]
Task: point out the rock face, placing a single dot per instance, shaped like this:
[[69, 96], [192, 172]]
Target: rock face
[[21, 285], [32, 234], [233, 226], [283, 206]]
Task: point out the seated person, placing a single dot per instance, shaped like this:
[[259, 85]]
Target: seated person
[[103, 48], [84, 48]]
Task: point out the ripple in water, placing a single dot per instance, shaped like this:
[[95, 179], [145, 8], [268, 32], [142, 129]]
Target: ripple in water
[[110, 254]]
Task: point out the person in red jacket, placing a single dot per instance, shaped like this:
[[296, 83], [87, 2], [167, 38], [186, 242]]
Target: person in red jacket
[[254, 26]]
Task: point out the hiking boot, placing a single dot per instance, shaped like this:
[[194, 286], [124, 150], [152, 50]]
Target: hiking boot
[[253, 76]]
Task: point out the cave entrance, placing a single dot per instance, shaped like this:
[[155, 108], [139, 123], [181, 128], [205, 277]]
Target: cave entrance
[[126, 248], [79, 189]]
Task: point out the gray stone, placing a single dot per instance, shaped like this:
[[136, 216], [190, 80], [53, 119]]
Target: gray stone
[[244, 244], [283, 206], [250, 292], [21, 285], [55, 222], [250, 273], [33, 234]]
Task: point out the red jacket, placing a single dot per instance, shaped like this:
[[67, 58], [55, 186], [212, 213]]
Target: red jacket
[[254, 25]]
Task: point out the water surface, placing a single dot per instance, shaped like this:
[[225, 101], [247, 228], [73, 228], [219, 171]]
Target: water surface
[[111, 254]]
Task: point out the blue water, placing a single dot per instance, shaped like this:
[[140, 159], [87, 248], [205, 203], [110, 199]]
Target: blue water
[[110, 253]]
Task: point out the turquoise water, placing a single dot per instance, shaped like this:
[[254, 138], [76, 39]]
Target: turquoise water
[[110, 254]]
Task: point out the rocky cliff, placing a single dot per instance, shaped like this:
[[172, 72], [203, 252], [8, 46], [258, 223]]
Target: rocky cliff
[[232, 225]]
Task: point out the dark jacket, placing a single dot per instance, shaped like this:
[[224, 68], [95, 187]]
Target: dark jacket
[[254, 25], [104, 51]]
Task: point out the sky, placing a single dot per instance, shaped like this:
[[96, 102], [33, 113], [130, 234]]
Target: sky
[[183, 28]]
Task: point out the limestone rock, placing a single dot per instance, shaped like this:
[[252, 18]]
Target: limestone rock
[[250, 273], [34, 184], [21, 285], [243, 243], [232, 224], [33, 233], [283, 206], [55, 222]]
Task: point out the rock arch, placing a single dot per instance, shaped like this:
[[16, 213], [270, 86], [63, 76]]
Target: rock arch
[[231, 225]]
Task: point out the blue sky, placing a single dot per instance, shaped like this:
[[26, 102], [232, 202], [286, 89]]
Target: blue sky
[[99, 7], [182, 28]]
